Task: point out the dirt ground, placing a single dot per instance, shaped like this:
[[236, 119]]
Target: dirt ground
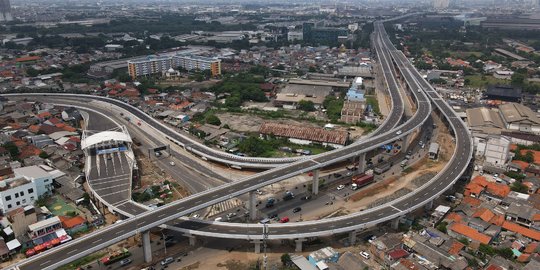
[[389, 186], [251, 123], [153, 175]]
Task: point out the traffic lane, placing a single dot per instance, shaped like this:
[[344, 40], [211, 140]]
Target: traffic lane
[[97, 122], [108, 124], [321, 225], [131, 225]]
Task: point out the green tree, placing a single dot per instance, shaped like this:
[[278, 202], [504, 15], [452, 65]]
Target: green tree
[[306, 105], [518, 78], [212, 119], [32, 72], [286, 259], [12, 149], [442, 226], [252, 146], [519, 187], [506, 253], [43, 155]]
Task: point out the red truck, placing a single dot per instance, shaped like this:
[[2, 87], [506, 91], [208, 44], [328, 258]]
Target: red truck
[[361, 180]]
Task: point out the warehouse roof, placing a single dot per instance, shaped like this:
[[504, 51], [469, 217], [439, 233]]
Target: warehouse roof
[[305, 133]]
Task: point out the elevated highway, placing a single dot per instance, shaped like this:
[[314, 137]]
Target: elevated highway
[[400, 207]]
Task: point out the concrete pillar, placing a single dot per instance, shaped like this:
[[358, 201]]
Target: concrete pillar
[[429, 205], [147, 249], [257, 243], [395, 223], [299, 244], [252, 205], [352, 237], [315, 183], [405, 143], [191, 238], [362, 162]]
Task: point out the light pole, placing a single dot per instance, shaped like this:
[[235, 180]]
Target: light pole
[[265, 238], [164, 241]]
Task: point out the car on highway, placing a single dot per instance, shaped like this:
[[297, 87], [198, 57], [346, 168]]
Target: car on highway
[[398, 132], [340, 187], [218, 219], [265, 221], [172, 163], [125, 262], [305, 198], [195, 216], [231, 215], [273, 216], [284, 220], [167, 261], [297, 209]]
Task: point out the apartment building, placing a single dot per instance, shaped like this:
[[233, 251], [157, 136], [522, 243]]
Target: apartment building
[[16, 192], [161, 64]]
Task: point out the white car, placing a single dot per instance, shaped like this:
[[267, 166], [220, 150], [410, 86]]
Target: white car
[[398, 132], [340, 187], [172, 163], [365, 255]]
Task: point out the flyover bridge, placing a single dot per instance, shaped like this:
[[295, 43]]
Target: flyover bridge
[[392, 210]]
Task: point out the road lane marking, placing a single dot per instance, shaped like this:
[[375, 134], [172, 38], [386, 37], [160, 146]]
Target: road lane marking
[[119, 232], [47, 262], [72, 251], [396, 208], [162, 215], [95, 242]]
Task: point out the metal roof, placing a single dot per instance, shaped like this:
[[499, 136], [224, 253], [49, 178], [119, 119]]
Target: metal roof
[[105, 136]]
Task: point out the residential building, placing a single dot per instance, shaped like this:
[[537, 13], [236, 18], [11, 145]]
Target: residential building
[[459, 230], [150, 65], [42, 178], [295, 35], [17, 192], [327, 254], [44, 227], [21, 218], [194, 62], [153, 64]]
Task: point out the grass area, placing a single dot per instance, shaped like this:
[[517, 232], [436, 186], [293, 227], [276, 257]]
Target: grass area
[[82, 261], [479, 81], [315, 150], [372, 100]]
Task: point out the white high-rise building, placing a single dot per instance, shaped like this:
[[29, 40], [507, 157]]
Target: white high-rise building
[[441, 4], [5, 11]]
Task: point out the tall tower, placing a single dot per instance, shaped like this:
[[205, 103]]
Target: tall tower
[[5, 11]]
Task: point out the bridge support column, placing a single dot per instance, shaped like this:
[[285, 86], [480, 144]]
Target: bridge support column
[[252, 205], [395, 223], [352, 237], [315, 183], [191, 238], [257, 243], [299, 244], [147, 249], [362, 163], [405, 143], [428, 205]]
